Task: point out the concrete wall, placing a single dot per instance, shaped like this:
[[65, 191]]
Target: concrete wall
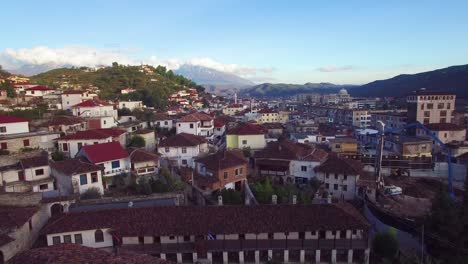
[[15, 128], [87, 236]]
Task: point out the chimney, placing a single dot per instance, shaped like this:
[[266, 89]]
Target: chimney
[[220, 200], [294, 199], [274, 199]]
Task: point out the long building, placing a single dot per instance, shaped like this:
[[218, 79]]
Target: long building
[[321, 233]]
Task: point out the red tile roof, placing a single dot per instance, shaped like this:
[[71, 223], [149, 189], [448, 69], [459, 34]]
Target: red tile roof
[[288, 150], [14, 217], [104, 152], [200, 220], [92, 103], [74, 254], [40, 88], [11, 119], [247, 129], [141, 155], [335, 164], [182, 140], [219, 123], [195, 117], [37, 161], [100, 133], [74, 166], [267, 111], [223, 160], [73, 92], [65, 120]]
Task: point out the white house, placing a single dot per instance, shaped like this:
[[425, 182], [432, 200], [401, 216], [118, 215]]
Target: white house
[[72, 97], [182, 148], [163, 120], [143, 162], [71, 144], [199, 124], [219, 128], [132, 105], [94, 108], [340, 175], [39, 91], [111, 156], [13, 125], [75, 176]]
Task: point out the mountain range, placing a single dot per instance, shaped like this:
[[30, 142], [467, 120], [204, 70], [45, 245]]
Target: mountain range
[[283, 89]]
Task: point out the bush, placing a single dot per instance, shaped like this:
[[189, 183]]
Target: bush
[[385, 246], [58, 156], [143, 186], [137, 142], [91, 193], [231, 196], [158, 186]]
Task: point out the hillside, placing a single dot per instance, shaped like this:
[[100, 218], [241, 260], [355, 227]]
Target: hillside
[[454, 79], [282, 89], [3, 73], [152, 88]]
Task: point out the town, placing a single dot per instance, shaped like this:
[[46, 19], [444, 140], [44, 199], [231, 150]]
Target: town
[[204, 178]]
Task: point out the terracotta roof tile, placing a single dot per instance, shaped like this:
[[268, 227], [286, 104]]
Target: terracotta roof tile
[[141, 155], [288, 150], [65, 120], [74, 166], [92, 103], [195, 117], [11, 119], [100, 133], [183, 140], [335, 164], [13, 217], [37, 161], [104, 152], [223, 160], [247, 129]]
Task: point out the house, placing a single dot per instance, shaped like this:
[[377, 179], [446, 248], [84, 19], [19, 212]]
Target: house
[[13, 125], [100, 114], [14, 143], [76, 176], [330, 233], [149, 137], [344, 145], [409, 146], [268, 116], [39, 91], [70, 98], [109, 155], [66, 124], [127, 90], [162, 120], [143, 162], [288, 162], [183, 148], [447, 132], [339, 176], [219, 128], [198, 123], [71, 144], [246, 136], [26, 173], [133, 125], [132, 105], [222, 170], [232, 109]]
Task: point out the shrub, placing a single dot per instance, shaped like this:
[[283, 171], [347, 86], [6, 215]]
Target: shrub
[[231, 196], [159, 187], [137, 142], [385, 246], [143, 186], [58, 156], [91, 193]]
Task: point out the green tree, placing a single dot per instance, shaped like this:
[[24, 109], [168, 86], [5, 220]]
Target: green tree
[[143, 186], [385, 246], [124, 112], [231, 196], [58, 156], [137, 142], [91, 193]]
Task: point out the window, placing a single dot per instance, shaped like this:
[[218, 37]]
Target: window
[[83, 179], [184, 162], [171, 237], [115, 164], [303, 168], [335, 186], [98, 236], [95, 143], [191, 125], [78, 239], [65, 147], [270, 236], [241, 236], [327, 185], [165, 123], [39, 172], [94, 177], [443, 120], [104, 122], [186, 238], [3, 145], [26, 143], [443, 113], [427, 113], [426, 121], [184, 149], [67, 239], [236, 172], [241, 171], [156, 240], [430, 106], [301, 235], [30, 224], [55, 240], [345, 177], [2, 129], [166, 149], [43, 186], [336, 176], [345, 187], [449, 106], [440, 106], [322, 234], [337, 146], [80, 145], [244, 142], [226, 175], [422, 106], [141, 240], [327, 175]]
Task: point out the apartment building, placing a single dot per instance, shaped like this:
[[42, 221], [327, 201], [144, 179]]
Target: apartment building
[[430, 106]]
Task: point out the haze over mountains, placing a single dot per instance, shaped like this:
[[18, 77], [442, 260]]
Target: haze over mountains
[[454, 79]]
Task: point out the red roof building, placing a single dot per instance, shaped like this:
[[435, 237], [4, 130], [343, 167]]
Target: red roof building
[[99, 153]]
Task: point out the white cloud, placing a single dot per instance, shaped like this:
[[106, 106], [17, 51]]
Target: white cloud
[[335, 68], [88, 56]]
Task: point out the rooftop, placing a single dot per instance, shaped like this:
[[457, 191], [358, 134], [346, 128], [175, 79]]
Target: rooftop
[[92, 103], [444, 127], [4, 119], [100, 133], [223, 160], [247, 129], [195, 117], [104, 152], [288, 150], [182, 140], [74, 166], [335, 164]]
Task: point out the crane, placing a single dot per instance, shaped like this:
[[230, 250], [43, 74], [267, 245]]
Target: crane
[[417, 125]]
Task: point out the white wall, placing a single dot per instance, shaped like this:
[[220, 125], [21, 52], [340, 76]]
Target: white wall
[[350, 183], [90, 184], [184, 127], [15, 128], [295, 168], [109, 171], [175, 153], [87, 236], [69, 100], [253, 141]]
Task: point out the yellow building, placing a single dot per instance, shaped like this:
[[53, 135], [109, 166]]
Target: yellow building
[[344, 145], [246, 136]]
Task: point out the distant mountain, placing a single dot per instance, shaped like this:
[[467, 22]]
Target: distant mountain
[[211, 78], [453, 79], [282, 89], [34, 69]]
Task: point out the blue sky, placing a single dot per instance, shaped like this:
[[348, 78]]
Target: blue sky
[[275, 41]]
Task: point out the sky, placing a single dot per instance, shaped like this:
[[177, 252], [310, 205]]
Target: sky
[[343, 42]]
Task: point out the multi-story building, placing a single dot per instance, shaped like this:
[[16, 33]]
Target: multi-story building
[[76, 176], [391, 119], [198, 123], [320, 233], [100, 114], [39, 91], [111, 156], [13, 125], [183, 148], [430, 106], [232, 109], [72, 97], [246, 136]]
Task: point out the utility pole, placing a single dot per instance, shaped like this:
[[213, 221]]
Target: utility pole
[[378, 165]]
